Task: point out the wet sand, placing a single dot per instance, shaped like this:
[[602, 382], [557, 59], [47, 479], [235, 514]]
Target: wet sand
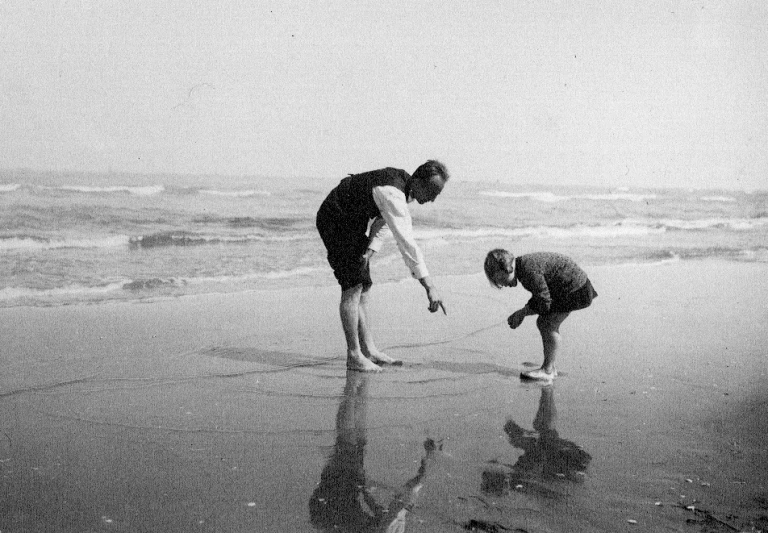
[[235, 412]]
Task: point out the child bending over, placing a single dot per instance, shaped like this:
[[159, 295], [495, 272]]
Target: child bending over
[[558, 285]]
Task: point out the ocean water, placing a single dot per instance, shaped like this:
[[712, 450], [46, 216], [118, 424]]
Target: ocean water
[[90, 238]]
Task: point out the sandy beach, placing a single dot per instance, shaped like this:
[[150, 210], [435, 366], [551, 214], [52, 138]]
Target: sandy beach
[[235, 412]]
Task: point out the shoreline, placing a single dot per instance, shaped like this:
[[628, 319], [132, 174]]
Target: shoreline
[[274, 283]]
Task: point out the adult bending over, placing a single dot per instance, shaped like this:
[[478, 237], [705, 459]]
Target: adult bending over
[[381, 196]]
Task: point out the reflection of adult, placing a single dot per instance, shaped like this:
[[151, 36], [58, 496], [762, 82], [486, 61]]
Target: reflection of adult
[[342, 501], [343, 222], [546, 457]]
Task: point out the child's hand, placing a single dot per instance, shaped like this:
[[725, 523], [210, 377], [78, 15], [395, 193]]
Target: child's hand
[[515, 319]]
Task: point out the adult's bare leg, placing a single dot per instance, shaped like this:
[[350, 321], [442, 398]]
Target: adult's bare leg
[[367, 344], [349, 310]]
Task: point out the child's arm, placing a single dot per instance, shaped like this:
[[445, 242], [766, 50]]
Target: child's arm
[[516, 318], [541, 299]]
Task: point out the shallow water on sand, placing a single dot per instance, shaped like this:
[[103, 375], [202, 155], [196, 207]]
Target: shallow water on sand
[[300, 445], [234, 425]]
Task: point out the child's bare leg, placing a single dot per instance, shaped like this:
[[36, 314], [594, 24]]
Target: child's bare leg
[[367, 345], [349, 309], [549, 328]]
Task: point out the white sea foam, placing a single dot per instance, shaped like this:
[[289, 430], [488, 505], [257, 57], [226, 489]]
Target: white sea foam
[[670, 258], [283, 238], [186, 239], [611, 231], [705, 223], [539, 196], [9, 187], [222, 280], [616, 196], [759, 255], [69, 291], [549, 197], [149, 190], [78, 292], [267, 238], [718, 199], [241, 281], [272, 274], [300, 271], [27, 243], [235, 194]]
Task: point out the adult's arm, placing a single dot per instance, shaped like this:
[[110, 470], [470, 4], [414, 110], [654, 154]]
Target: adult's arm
[[393, 207], [394, 211], [379, 232]]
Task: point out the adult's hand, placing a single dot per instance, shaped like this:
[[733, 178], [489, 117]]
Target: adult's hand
[[366, 257], [435, 301]]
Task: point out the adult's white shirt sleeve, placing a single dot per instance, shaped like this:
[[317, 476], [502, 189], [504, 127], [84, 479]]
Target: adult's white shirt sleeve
[[393, 207], [378, 233]]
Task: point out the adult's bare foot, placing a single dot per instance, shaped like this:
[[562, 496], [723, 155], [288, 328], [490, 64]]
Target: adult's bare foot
[[360, 364], [381, 358]]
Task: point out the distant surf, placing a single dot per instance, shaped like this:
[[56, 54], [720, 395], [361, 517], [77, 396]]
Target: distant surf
[[144, 288], [138, 191], [89, 238], [235, 194], [602, 231], [545, 196], [44, 243]]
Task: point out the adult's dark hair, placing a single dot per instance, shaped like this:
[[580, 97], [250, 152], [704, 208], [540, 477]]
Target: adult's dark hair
[[431, 168]]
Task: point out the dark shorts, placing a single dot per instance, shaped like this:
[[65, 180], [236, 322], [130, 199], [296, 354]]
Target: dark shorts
[[346, 241], [578, 299]]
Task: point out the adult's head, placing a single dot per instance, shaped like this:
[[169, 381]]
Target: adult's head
[[428, 181]]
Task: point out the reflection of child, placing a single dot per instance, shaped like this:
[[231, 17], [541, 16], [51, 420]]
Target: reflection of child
[[558, 285], [546, 457]]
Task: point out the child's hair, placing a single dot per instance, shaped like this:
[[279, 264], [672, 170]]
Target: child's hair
[[498, 260]]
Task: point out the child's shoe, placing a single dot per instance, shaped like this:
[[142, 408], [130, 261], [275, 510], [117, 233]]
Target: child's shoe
[[538, 375]]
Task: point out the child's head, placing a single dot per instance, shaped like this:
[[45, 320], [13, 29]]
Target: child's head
[[499, 265]]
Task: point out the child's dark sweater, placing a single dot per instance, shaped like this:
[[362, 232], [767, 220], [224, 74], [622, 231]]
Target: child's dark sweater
[[549, 276]]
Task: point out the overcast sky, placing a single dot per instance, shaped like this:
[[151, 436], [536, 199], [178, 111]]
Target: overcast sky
[[600, 92]]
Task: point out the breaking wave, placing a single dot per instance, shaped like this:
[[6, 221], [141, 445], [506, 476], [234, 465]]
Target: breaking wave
[[181, 238], [544, 196], [235, 194], [142, 288], [617, 230], [149, 190], [23, 242]]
